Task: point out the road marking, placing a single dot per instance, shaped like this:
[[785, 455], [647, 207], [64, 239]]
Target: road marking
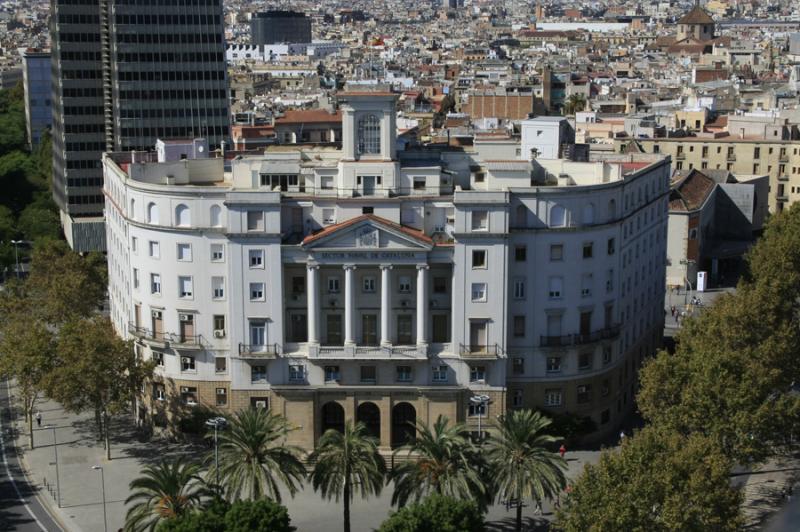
[[8, 469]]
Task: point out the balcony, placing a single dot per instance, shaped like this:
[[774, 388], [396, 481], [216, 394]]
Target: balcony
[[367, 352], [595, 336], [680, 156], [784, 158], [731, 157], [178, 341], [783, 177], [479, 352], [261, 352], [555, 341]]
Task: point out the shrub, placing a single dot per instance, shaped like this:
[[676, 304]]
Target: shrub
[[437, 512]]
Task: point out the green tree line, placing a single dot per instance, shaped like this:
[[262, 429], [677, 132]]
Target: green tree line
[[27, 211]]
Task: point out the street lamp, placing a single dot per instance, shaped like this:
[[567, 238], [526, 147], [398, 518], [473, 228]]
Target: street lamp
[[16, 244], [55, 451], [103, 485], [217, 423], [480, 401]]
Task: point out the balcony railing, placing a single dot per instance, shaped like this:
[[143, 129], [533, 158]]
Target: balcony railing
[[258, 351], [181, 340], [555, 341], [606, 333], [478, 351]]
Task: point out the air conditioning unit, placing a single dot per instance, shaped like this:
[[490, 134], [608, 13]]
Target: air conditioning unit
[[260, 404], [186, 360], [185, 317], [219, 333], [184, 389], [156, 314]]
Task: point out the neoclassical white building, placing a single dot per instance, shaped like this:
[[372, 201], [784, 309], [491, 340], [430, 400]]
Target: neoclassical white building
[[387, 286]]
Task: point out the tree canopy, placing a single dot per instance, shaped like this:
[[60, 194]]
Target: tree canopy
[[436, 512]]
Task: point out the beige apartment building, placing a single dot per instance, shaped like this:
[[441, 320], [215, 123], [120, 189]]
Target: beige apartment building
[[779, 159]]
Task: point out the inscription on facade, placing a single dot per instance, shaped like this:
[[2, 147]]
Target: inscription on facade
[[368, 255]]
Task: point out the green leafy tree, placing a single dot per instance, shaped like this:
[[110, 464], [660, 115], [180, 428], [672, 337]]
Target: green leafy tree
[[521, 464], [445, 462], [168, 490], [436, 512], [96, 370], [36, 223], [575, 103], [254, 458], [345, 463], [241, 516], [658, 481], [209, 519]]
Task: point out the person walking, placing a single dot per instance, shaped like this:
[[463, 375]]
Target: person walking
[[38, 419], [562, 450]]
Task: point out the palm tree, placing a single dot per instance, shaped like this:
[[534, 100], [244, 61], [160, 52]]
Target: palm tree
[[254, 458], [169, 489], [445, 462], [344, 461], [522, 466], [576, 102]]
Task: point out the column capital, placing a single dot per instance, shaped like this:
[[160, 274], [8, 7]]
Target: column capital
[[312, 266], [385, 266], [423, 267], [348, 267]]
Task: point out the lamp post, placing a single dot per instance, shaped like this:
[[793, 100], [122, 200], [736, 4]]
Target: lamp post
[[103, 485], [16, 244], [479, 401], [55, 451], [217, 423]]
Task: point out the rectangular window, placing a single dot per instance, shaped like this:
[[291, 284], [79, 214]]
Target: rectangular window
[[518, 366], [588, 250], [584, 393], [299, 285], [519, 326], [609, 280], [256, 258], [586, 284], [479, 258], [135, 278], [297, 373], [555, 287], [258, 373], [258, 333], [519, 289], [606, 355], [218, 287], [189, 395], [440, 373], [219, 325], [134, 244], [477, 409], [477, 374], [222, 396], [369, 374], [480, 220], [553, 364], [187, 364], [605, 388], [404, 284], [185, 289], [255, 220], [328, 216], [556, 252], [155, 249], [220, 365], [552, 397], [479, 292], [440, 285], [419, 182], [611, 246], [159, 394], [516, 399], [185, 252], [332, 374], [403, 374], [155, 283], [158, 358], [368, 284], [333, 285], [256, 291], [585, 361], [520, 253], [217, 252]]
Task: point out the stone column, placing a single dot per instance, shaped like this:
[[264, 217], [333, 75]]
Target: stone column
[[349, 303], [386, 303], [422, 305], [312, 298]]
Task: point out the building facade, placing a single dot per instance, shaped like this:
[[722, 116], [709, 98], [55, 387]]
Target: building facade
[[125, 74], [279, 27], [383, 285], [38, 94]]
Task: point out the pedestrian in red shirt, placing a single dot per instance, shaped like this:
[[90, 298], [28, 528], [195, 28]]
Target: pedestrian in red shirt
[[562, 450]]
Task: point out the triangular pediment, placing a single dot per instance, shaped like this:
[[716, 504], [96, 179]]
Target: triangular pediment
[[368, 232]]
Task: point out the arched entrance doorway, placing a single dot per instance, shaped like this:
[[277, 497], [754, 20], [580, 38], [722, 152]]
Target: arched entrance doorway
[[332, 417], [370, 415], [404, 418]]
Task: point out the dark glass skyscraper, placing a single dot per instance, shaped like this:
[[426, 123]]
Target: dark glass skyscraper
[[127, 72], [275, 27]]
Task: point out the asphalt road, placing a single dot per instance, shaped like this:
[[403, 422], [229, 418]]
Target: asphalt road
[[19, 508]]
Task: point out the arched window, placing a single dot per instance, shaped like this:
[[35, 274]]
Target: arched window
[[152, 213], [132, 212], [558, 216], [216, 216], [182, 218], [522, 216], [588, 214], [612, 209], [369, 135]]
